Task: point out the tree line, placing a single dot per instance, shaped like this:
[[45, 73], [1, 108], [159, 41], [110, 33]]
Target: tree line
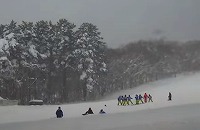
[[53, 62], [60, 63], [148, 60]]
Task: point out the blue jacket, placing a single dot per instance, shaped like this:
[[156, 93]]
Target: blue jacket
[[136, 97]]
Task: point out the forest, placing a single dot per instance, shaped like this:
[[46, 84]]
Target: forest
[[61, 63]]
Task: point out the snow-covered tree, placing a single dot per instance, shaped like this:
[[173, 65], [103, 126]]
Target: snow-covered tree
[[89, 50], [24, 57], [2, 31], [64, 59], [7, 71], [45, 43]]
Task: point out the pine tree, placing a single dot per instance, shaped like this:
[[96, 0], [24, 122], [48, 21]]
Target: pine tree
[[2, 31], [89, 50], [65, 59], [44, 41], [7, 71], [26, 59]]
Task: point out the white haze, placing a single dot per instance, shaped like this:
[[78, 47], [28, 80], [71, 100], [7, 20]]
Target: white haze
[[120, 21], [182, 113]]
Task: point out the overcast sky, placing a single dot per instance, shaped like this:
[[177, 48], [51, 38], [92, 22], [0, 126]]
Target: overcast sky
[[119, 21]]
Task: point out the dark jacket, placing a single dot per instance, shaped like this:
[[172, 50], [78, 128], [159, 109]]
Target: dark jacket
[[140, 97], [89, 111], [136, 97], [59, 113], [102, 111], [170, 96]]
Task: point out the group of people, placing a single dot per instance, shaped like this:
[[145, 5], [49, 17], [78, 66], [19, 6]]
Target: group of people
[[59, 112], [122, 100], [143, 99], [139, 99], [127, 100], [89, 111]]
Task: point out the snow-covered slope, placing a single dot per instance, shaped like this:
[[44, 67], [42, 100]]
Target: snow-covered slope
[[185, 117], [182, 111]]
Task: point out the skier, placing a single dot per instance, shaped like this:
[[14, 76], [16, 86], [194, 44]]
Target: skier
[[140, 98], [129, 99], [150, 98], [137, 99], [124, 102], [89, 111], [102, 111], [120, 100], [145, 97], [169, 96], [59, 113]]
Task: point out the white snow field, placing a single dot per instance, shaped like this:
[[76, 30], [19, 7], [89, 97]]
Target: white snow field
[[182, 113]]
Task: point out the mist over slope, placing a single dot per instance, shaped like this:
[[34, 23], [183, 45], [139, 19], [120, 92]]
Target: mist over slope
[[184, 88], [169, 118]]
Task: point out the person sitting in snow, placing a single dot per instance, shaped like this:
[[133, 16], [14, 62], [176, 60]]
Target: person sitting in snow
[[102, 111], [89, 111], [59, 113]]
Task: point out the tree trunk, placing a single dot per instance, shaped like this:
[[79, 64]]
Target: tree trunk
[[64, 87], [84, 88]]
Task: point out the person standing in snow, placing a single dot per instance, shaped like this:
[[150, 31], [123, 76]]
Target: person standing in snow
[[120, 98], [137, 99], [150, 98], [125, 101], [140, 98], [59, 113], [129, 99], [145, 97], [169, 96]]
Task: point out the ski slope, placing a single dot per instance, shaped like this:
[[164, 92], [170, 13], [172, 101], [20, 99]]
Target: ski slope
[[182, 113]]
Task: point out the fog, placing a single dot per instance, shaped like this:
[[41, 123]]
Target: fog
[[119, 21]]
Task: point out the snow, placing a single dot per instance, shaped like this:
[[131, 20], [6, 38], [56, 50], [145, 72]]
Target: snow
[[1, 98], [3, 45], [3, 58], [83, 75], [34, 100], [9, 36], [182, 113], [43, 55], [33, 51]]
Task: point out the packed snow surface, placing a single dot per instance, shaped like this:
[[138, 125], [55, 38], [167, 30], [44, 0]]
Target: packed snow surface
[[182, 113]]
